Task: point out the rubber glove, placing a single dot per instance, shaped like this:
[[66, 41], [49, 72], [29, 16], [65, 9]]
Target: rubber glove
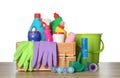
[[25, 56], [35, 54], [28, 59], [19, 50], [47, 54]]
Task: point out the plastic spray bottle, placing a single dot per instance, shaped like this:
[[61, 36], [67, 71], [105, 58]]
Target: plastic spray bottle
[[47, 31], [37, 25], [55, 22]]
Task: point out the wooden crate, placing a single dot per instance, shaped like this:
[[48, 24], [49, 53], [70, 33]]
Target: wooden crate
[[66, 53], [66, 48], [62, 62]]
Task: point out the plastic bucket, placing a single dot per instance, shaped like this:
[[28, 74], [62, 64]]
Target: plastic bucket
[[94, 44]]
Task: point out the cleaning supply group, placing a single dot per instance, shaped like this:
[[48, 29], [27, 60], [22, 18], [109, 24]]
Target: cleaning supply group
[[41, 47], [47, 30]]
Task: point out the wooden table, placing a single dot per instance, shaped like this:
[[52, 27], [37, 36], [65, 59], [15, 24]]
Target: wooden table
[[106, 70]]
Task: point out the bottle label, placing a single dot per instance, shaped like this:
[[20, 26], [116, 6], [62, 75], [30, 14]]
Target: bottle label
[[84, 47], [58, 37]]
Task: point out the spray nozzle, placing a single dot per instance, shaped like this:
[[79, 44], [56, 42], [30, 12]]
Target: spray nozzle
[[56, 15]]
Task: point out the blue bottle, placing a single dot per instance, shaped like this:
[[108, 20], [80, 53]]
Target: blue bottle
[[37, 25], [84, 50]]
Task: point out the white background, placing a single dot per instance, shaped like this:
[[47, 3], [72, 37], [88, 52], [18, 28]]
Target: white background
[[81, 16]]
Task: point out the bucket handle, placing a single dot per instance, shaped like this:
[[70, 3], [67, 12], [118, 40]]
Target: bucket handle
[[99, 51]]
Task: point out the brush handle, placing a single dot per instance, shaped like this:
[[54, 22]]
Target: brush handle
[[79, 56]]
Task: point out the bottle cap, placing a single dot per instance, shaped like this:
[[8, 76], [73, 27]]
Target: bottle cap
[[58, 32], [37, 15], [61, 26], [56, 15]]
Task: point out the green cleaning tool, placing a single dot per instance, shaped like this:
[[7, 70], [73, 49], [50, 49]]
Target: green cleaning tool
[[76, 64]]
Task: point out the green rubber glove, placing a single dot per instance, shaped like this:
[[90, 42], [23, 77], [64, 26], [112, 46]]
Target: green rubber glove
[[24, 55], [19, 50], [28, 59]]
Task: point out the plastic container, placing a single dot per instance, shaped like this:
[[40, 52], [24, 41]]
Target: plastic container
[[70, 38], [84, 51], [94, 44], [55, 22], [37, 25], [58, 37], [60, 28], [48, 36]]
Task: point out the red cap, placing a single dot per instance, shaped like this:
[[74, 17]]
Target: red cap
[[37, 15], [56, 15], [61, 26], [58, 32]]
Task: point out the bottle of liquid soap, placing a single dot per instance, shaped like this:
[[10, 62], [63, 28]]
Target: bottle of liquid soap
[[37, 25]]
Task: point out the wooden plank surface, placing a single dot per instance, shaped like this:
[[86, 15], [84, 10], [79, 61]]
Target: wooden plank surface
[[106, 70]]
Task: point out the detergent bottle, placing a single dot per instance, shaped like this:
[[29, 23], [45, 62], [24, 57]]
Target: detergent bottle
[[48, 36], [37, 24], [60, 28]]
